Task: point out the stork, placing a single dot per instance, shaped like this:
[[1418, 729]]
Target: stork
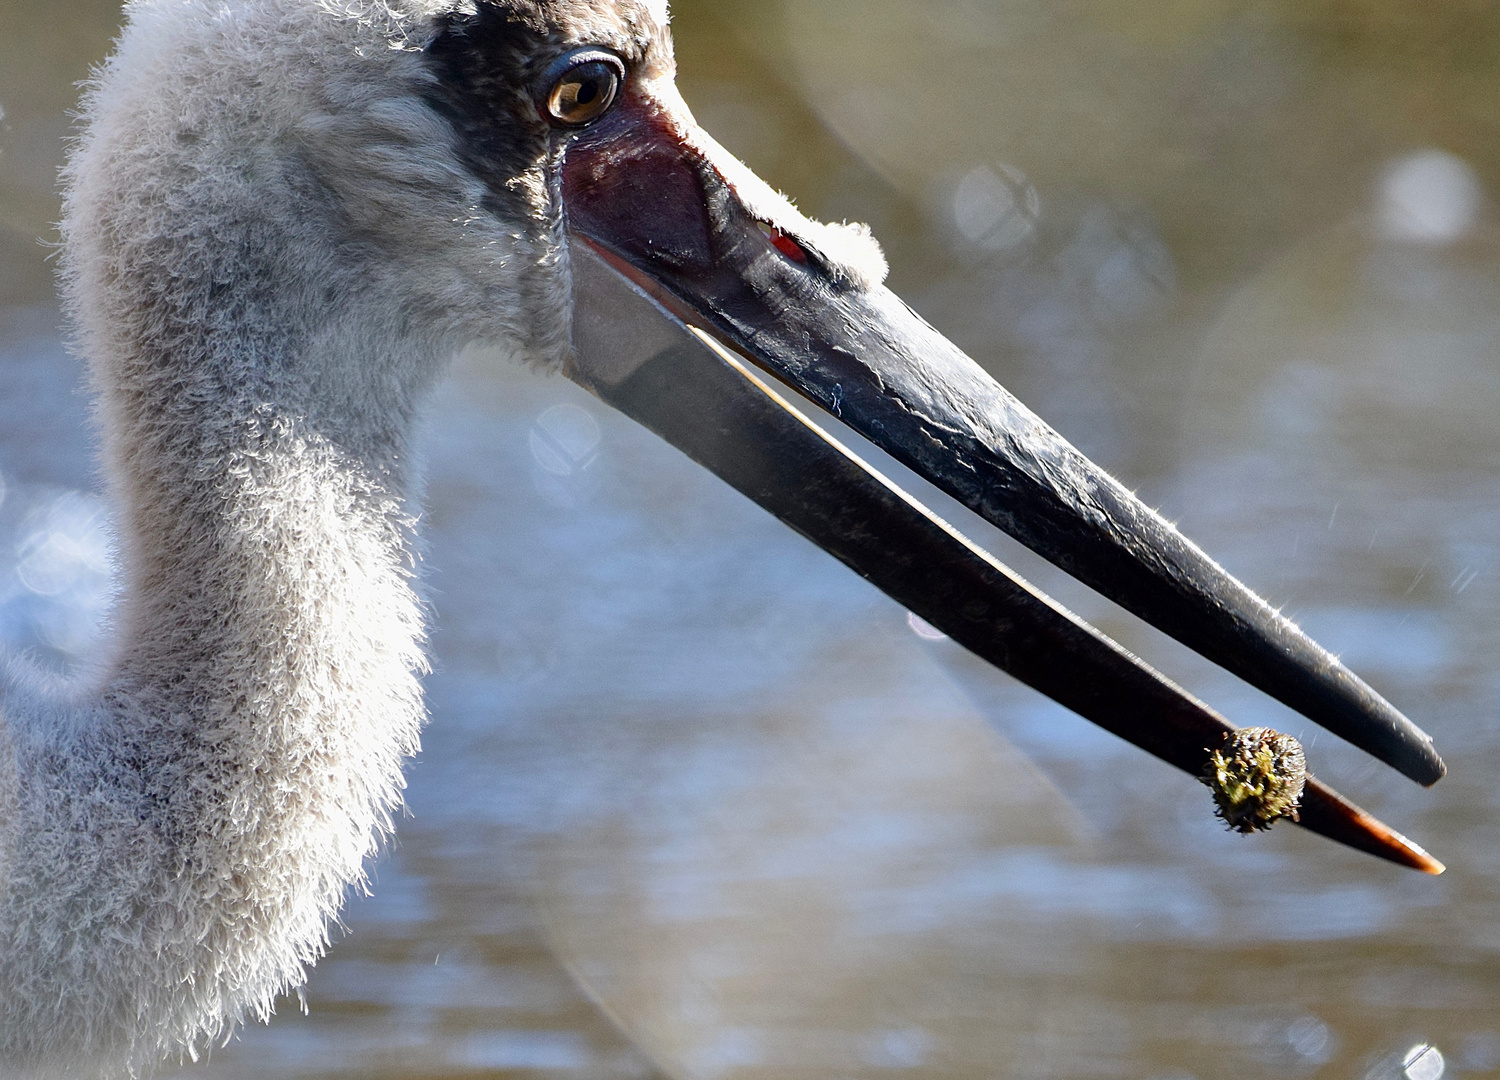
[[282, 218]]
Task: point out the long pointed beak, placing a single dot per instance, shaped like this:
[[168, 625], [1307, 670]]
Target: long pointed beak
[[686, 267]]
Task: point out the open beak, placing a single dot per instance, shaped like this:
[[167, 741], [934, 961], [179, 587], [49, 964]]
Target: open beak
[[693, 284]]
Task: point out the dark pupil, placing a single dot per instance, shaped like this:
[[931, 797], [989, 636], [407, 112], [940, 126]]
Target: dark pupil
[[588, 90]]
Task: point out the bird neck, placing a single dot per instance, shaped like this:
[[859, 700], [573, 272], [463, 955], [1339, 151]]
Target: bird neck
[[241, 756], [268, 615], [265, 680]]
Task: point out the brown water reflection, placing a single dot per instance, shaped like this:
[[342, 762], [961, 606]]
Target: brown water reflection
[[696, 803]]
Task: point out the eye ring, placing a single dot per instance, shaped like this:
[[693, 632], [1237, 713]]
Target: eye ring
[[579, 87]]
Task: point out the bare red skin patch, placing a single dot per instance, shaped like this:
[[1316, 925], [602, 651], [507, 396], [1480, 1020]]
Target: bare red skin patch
[[788, 247], [633, 181], [783, 243]]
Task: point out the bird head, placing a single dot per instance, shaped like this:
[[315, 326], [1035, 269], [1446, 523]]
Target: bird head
[[324, 199]]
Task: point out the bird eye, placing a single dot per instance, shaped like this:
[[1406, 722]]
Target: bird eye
[[587, 86]]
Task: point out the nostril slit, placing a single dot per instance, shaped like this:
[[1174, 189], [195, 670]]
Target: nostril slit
[[783, 243]]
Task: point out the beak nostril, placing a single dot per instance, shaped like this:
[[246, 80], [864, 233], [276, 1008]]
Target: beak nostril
[[783, 243]]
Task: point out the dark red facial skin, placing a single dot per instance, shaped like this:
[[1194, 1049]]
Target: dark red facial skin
[[634, 183], [631, 182]]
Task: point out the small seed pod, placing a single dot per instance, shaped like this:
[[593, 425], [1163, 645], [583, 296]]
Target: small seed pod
[[1256, 777]]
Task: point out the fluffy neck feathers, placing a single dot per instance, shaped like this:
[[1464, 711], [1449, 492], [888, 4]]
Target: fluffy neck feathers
[[184, 833]]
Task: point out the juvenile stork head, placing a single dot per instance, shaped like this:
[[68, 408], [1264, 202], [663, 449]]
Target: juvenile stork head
[[330, 197]]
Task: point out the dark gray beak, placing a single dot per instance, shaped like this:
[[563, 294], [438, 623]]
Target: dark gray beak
[[690, 311]]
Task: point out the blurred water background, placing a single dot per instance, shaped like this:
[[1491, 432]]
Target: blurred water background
[[697, 803]]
